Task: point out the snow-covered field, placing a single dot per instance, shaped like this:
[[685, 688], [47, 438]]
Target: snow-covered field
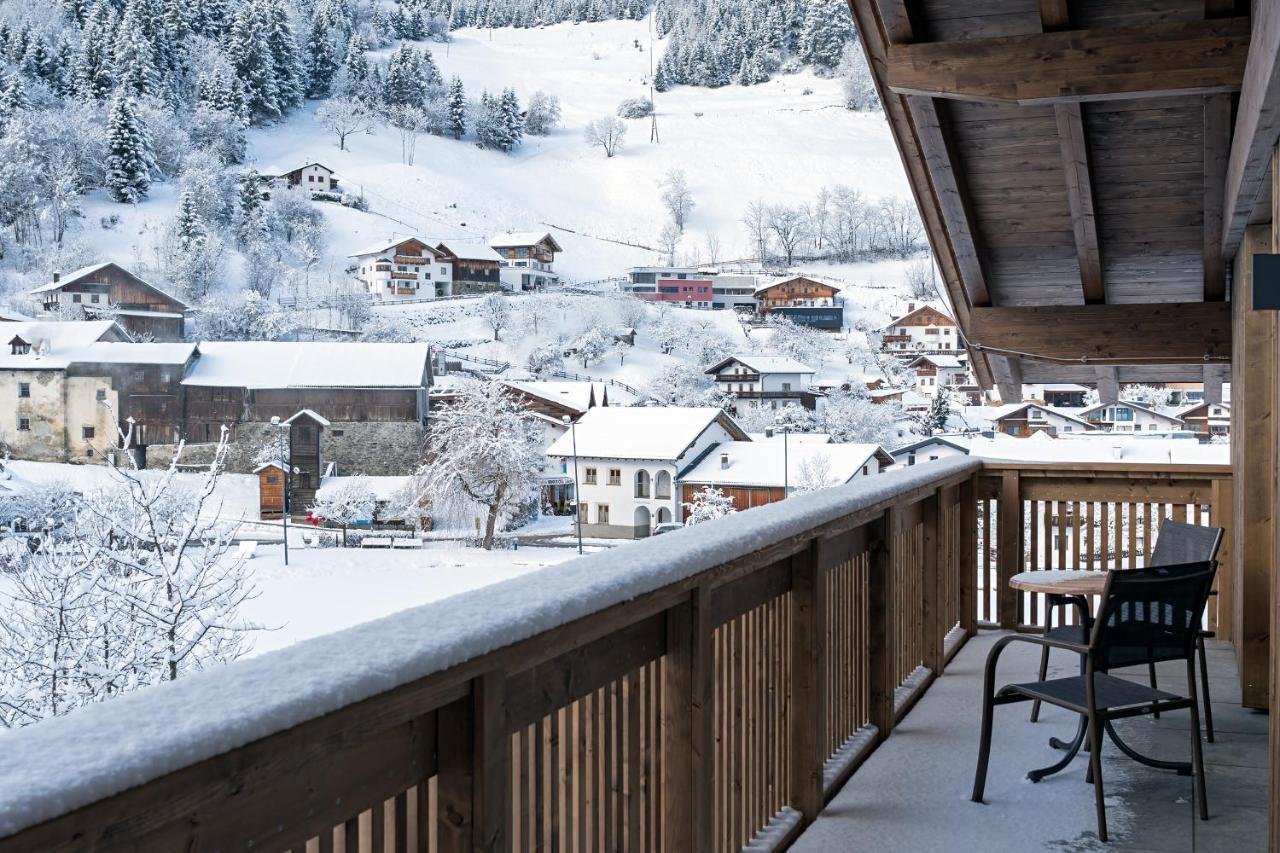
[[735, 144]]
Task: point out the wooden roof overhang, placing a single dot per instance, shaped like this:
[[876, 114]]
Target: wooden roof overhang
[[1085, 170]]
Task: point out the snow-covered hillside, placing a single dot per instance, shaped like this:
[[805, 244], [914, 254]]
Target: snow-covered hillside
[[736, 144]]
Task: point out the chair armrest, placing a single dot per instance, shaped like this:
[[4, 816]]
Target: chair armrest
[[993, 657]]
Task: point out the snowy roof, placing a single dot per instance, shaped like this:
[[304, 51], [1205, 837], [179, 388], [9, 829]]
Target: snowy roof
[[1013, 408], [309, 364], [639, 432], [76, 275], [959, 442], [514, 239], [764, 364], [54, 345], [309, 413], [761, 463], [118, 352], [1100, 447], [168, 315], [10, 316], [574, 395], [918, 309], [467, 252], [390, 243], [939, 360], [1062, 386], [104, 748], [793, 437]]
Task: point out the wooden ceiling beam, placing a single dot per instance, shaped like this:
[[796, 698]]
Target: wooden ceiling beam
[[1102, 335], [1077, 65], [1257, 127], [1055, 15], [1108, 382], [1217, 150], [1007, 375], [1075, 165]]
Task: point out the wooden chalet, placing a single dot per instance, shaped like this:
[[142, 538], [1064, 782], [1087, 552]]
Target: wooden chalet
[[475, 268], [109, 290], [526, 246], [1096, 179], [795, 292]]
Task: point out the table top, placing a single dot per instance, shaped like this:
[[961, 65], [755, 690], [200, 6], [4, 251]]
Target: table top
[[1060, 581]]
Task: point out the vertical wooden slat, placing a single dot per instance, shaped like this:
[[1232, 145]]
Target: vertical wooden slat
[[1009, 547], [931, 598], [1220, 515], [687, 729], [968, 562], [401, 823], [808, 682], [881, 680]]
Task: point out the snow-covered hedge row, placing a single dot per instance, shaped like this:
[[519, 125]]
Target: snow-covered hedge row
[[65, 763]]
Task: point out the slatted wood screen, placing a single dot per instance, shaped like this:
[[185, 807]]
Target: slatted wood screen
[[846, 659]]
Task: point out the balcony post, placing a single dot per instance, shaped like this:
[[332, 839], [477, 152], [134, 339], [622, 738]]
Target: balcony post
[[808, 688], [688, 804], [932, 605], [1008, 549], [968, 562], [474, 770], [881, 647]]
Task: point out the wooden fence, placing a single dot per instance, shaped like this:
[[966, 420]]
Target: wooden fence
[[712, 714]]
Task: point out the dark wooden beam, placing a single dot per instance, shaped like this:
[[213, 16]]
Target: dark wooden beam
[[1075, 166], [1077, 65], [1055, 15], [1152, 333], [1108, 380], [1006, 374], [953, 198], [1217, 149], [1257, 127]]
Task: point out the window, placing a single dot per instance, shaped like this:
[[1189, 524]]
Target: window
[[1036, 414], [86, 433], [602, 513], [1123, 414], [75, 297], [786, 386], [272, 478], [590, 477], [24, 389], [93, 298], [582, 513], [24, 424], [615, 476], [1068, 428]]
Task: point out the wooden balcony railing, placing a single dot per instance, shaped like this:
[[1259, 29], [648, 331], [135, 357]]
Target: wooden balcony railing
[[706, 693]]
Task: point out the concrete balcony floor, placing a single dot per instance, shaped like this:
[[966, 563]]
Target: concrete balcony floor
[[912, 794]]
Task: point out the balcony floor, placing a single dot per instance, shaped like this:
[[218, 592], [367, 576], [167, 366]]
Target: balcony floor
[[913, 792]]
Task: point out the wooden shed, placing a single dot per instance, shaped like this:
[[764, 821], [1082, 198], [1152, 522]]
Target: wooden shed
[[271, 478]]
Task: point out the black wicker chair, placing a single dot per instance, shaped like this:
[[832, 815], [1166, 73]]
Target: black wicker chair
[[1147, 615], [1177, 543]]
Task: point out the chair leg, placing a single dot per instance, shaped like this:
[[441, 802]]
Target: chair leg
[[984, 749], [1044, 673], [1204, 685], [1095, 773], [1197, 756], [1151, 670]]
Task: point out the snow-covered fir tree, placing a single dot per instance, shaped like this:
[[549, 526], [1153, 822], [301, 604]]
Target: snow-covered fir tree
[[457, 105], [130, 161]]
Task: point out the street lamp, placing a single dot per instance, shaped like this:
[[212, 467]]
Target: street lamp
[[284, 490], [577, 497]]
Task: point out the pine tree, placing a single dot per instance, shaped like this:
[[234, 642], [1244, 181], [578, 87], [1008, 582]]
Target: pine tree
[[827, 28], [252, 62], [94, 77], [457, 104], [190, 228], [129, 158], [12, 99], [322, 59], [286, 64], [134, 58], [511, 121], [356, 62]]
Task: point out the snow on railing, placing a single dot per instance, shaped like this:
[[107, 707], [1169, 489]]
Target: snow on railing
[[66, 763]]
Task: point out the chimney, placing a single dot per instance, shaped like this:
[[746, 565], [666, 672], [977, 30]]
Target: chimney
[[1117, 451], [724, 461], [56, 276], [911, 306], [768, 432]]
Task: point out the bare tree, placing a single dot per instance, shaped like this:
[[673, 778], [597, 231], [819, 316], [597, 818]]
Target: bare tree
[[669, 241], [496, 311], [712, 245], [606, 132], [756, 219], [901, 225], [920, 283], [677, 197], [344, 117], [410, 122], [791, 226]]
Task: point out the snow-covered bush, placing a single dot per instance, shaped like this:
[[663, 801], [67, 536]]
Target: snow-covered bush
[[39, 506], [683, 385], [495, 310], [708, 505], [635, 108], [246, 316], [606, 133], [387, 327], [542, 115], [345, 504], [814, 474], [544, 358]]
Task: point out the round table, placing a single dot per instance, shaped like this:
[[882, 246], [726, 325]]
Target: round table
[[1077, 586], [1060, 582]]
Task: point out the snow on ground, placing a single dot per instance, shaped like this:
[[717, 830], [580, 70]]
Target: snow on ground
[[327, 589]]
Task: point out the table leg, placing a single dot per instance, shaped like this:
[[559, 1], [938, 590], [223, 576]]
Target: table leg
[[1183, 767], [1072, 748]]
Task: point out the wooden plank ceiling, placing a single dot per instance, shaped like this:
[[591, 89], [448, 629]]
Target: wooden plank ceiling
[[1072, 153]]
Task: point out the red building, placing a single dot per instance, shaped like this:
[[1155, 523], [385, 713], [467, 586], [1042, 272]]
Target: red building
[[690, 292]]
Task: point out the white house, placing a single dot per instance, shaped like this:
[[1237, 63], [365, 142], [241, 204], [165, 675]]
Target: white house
[[1129, 416], [527, 259], [628, 461], [765, 380], [756, 473], [922, 329], [1208, 419], [1026, 419], [313, 176], [931, 449], [935, 371], [404, 268]]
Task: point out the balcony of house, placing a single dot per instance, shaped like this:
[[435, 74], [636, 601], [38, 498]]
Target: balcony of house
[[805, 674], [738, 377], [411, 259]]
